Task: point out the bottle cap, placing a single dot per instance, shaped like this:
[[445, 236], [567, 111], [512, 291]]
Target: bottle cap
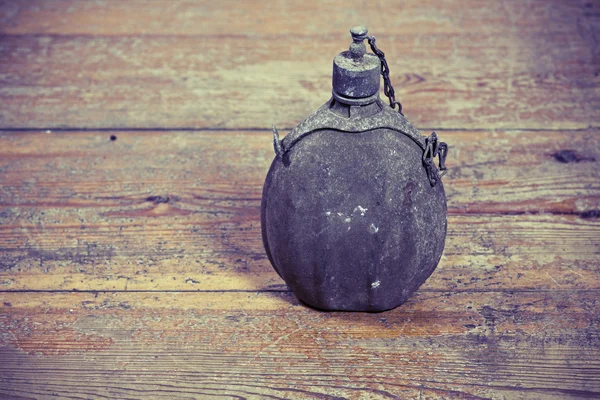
[[356, 72]]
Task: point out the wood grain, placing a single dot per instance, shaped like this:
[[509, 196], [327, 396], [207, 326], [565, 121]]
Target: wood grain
[[490, 172], [206, 18], [479, 345], [180, 211], [482, 253], [133, 65], [134, 141]]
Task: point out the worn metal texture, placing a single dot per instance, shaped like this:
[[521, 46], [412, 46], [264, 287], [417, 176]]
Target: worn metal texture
[[356, 73], [356, 79], [339, 116], [349, 218], [353, 211]]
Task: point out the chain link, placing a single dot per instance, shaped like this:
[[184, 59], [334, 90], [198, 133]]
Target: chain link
[[388, 90], [433, 147]]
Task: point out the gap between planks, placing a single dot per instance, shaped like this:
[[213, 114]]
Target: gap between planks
[[265, 129], [517, 290]]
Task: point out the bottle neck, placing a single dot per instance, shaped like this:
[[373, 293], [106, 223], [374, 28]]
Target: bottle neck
[[355, 101], [364, 110]]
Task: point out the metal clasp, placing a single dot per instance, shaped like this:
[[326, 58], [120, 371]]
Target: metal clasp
[[433, 148], [277, 145]]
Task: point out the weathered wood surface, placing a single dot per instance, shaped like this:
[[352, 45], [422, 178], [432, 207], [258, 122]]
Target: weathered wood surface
[[133, 64], [482, 253], [497, 172], [133, 267], [438, 345], [180, 211]]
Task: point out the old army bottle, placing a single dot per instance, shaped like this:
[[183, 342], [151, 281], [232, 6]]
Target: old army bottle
[[353, 210]]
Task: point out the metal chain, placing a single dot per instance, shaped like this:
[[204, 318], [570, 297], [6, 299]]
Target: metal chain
[[388, 90], [433, 148]]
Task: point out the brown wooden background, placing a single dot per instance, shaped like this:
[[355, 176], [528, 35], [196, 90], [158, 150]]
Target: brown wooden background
[[133, 267]]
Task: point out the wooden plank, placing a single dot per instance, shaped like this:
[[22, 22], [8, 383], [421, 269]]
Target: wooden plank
[[450, 345], [284, 18], [510, 313], [180, 211], [481, 253], [490, 171], [196, 253], [82, 64]]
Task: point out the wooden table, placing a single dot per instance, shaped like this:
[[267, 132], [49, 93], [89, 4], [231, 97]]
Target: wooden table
[[133, 147]]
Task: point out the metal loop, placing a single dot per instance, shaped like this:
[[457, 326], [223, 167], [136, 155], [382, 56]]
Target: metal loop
[[277, 145], [399, 106]]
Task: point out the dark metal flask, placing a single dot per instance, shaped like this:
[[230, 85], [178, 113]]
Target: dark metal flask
[[354, 211]]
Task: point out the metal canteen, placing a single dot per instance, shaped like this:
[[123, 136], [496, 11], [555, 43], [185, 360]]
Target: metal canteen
[[353, 212]]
